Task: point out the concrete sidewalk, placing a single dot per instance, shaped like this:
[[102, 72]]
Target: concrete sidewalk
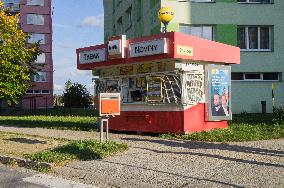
[[155, 162]]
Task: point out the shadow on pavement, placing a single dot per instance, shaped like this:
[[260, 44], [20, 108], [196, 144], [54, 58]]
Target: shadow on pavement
[[191, 145]]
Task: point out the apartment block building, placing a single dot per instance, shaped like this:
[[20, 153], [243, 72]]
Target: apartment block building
[[256, 26], [35, 20]]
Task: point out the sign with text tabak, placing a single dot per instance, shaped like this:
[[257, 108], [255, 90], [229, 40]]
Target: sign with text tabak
[[146, 48], [92, 56]]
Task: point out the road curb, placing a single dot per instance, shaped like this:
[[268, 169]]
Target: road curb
[[7, 160]]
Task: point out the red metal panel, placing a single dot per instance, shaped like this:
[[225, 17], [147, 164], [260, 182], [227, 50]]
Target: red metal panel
[[203, 50], [191, 120], [206, 50]]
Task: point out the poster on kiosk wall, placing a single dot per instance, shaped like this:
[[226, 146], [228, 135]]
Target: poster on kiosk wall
[[219, 93]]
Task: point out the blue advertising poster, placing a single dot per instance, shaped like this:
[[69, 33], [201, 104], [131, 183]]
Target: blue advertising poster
[[220, 93]]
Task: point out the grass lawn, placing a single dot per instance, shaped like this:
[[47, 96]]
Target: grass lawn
[[244, 127], [54, 122], [78, 150], [18, 145]]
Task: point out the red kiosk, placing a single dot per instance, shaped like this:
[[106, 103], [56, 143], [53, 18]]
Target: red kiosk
[[169, 83]]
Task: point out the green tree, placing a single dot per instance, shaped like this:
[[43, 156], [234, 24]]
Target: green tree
[[77, 96], [15, 58]]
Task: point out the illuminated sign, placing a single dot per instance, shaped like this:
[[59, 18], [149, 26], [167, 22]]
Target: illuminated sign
[[92, 56], [116, 48], [152, 47], [219, 97], [184, 50]]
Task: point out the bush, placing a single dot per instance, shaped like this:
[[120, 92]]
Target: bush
[[278, 115]]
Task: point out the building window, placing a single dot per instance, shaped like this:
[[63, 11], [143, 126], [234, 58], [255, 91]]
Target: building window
[[35, 2], [202, 1], [205, 32], [267, 76], [129, 17], [35, 19], [45, 91], [254, 38], [40, 59], [39, 77], [12, 5], [35, 37], [29, 92], [254, 1]]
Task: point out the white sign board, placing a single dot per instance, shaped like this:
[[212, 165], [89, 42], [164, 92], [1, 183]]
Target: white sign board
[[92, 56], [189, 66], [152, 47], [116, 47]]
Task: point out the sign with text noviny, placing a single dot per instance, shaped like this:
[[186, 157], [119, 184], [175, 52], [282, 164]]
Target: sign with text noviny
[[151, 47], [92, 56]]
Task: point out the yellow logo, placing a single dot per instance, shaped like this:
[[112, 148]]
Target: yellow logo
[[166, 14], [184, 50]]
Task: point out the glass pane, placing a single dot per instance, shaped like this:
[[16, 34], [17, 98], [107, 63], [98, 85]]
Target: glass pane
[[253, 37], [259, 1], [237, 76], [207, 33], [252, 76], [242, 37], [270, 76], [40, 58], [264, 38], [184, 29], [196, 31]]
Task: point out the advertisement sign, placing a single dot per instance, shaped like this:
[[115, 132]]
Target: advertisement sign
[[184, 50], [219, 98], [92, 56], [152, 47], [116, 48]]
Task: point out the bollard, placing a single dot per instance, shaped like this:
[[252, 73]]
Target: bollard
[[263, 107]]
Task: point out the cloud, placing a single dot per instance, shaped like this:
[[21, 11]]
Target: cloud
[[93, 21], [58, 87], [61, 25]]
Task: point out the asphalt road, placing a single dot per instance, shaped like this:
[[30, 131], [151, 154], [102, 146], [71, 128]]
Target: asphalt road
[[13, 179]]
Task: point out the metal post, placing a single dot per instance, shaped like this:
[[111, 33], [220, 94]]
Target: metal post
[[107, 135], [102, 130], [104, 120]]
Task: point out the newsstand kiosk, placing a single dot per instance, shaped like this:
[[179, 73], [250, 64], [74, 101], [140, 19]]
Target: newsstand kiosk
[[168, 83]]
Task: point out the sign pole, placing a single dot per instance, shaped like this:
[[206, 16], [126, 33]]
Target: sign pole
[[102, 130]]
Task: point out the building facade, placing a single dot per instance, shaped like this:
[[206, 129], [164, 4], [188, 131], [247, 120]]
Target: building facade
[[35, 20], [256, 26]]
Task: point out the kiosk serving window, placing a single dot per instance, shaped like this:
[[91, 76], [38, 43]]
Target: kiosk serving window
[[151, 89]]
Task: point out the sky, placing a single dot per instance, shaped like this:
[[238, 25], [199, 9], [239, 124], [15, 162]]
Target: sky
[[76, 24]]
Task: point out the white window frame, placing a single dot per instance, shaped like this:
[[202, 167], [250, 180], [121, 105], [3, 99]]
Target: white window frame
[[32, 38], [202, 1], [41, 92], [247, 49], [259, 80], [35, 2], [40, 75], [14, 5], [40, 59], [201, 26], [35, 19], [250, 2]]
